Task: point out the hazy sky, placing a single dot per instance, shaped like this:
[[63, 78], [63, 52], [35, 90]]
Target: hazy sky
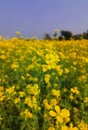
[[36, 17]]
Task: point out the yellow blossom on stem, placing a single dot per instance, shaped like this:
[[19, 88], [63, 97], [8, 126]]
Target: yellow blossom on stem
[[52, 113]]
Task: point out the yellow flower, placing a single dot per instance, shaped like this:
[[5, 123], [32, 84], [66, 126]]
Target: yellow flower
[[64, 128], [82, 78], [72, 128], [1, 88], [48, 106], [28, 101], [55, 85], [1, 94], [51, 128], [66, 70], [34, 90], [3, 57], [22, 77], [2, 98], [86, 100], [26, 113], [82, 125], [59, 69], [45, 101], [21, 94], [71, 97], [74, 90], [55, 92], [53, 102], [17, 100], [86, 60], [10, 89], [59, 119], [52, 113], [57, 109], [44, 68], [47, 78], [1, 118], [67, 119], [14, 65], [34, 102], [65, 113]]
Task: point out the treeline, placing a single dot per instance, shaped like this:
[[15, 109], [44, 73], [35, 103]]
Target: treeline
[[66, 35]]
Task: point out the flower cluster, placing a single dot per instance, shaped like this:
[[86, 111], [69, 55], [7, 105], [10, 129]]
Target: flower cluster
[[43, 84]]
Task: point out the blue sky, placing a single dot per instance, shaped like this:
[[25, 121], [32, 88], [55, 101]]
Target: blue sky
[[36, 17]]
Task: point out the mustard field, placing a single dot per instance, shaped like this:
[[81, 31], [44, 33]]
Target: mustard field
[[43, 84]]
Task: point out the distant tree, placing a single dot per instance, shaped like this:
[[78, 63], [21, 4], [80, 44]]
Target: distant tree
[[66, 34], [55, 35], [47, 36], [78, 37], [60, 38], [85, 35]]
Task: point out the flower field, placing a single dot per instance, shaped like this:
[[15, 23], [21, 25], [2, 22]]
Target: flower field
[[43, 84]]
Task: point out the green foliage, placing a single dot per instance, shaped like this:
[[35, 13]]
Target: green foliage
[[66, 34], [47, 36]]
